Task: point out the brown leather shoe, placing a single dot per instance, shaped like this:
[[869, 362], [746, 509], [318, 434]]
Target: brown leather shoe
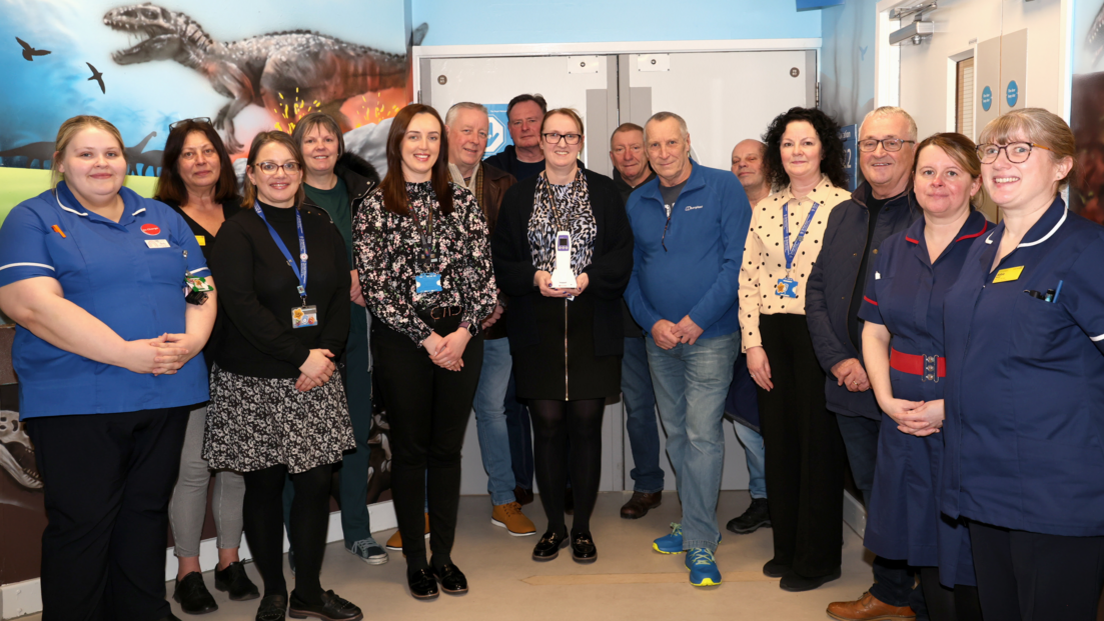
[[639, 505], [868, 608]]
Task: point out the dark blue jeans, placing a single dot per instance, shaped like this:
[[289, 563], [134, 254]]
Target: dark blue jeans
[[640, 417]]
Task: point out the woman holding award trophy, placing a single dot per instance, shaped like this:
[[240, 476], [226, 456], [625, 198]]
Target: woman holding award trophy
[[563, 254]]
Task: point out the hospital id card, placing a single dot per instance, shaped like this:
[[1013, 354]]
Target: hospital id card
[[304, 317], [429, 282], [786, 287]]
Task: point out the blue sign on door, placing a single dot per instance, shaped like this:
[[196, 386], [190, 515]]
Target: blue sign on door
[[849, 135], [986, 98], [498, 136], [1012, 94]]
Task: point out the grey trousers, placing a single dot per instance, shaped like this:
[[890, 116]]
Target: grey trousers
[[188, 506]]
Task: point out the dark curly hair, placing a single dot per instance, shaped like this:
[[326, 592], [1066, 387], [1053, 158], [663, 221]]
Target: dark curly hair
[[830, 145]]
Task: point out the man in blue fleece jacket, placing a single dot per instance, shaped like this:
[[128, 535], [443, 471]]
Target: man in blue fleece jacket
[[689, 226]]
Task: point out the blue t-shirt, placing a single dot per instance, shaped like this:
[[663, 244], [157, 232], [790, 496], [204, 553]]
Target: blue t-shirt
[[128, 274]]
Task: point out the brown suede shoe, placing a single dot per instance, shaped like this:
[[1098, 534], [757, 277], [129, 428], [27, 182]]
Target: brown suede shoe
[[639, 505], [868, 608]]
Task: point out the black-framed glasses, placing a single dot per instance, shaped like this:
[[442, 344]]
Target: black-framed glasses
[[198, 119], [270, 168], [554, 138], [1016, 152], [889, 144]]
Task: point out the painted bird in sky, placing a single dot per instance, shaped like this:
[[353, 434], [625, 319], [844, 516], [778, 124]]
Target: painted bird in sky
[[29, 52], [97, 76]]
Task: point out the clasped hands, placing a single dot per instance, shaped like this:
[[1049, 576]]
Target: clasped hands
[[916, 418], [447, 352], [543, 280], [667, 334], [169, 353]]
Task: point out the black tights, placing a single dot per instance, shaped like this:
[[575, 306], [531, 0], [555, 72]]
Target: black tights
[[958, 604], [264, 526], [554, 423]]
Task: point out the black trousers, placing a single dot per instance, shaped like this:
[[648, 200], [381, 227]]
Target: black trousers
[[428, 409], [1026, 576], [107, 480], [804, 452]]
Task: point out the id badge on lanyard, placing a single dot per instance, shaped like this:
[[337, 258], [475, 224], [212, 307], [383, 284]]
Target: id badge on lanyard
[[301, 316], [787, 287]]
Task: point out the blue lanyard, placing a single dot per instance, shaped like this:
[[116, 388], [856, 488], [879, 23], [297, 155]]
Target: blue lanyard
[[301, 271], [791, 251]]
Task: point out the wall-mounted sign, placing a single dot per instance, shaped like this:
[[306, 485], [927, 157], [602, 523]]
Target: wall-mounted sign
[[497, 135], [986, 98], [849, 135], [1012, 94]]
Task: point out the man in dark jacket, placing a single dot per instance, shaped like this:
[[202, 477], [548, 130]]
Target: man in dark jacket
[[467, 126], [524, 158], [883, 205], [631, 170]]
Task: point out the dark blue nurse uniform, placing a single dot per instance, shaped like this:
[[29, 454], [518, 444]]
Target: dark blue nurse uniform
[[905, 292], [1024, 430]]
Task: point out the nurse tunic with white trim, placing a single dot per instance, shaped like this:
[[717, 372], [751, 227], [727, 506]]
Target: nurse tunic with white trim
[[128, 274], [905, 292], [1025, 389]]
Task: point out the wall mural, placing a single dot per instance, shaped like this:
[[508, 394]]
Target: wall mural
[[1087, 109]]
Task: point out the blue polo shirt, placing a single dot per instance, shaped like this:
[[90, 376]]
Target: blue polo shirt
[[128, 274], [1024, 427], [689, 264]]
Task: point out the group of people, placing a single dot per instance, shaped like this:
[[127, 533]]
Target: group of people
[[953, 363]]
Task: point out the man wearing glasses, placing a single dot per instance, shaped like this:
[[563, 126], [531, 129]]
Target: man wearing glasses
[[881, 206], [524, 158], [689, 227]]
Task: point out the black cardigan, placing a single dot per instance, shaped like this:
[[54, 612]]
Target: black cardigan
[[608, 273]]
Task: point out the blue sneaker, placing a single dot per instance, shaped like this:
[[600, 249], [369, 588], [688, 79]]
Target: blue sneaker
[[703, 568], [670, 544]]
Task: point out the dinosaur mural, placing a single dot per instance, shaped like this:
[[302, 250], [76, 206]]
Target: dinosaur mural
[[40, 152], [134, 153], [287, 73]]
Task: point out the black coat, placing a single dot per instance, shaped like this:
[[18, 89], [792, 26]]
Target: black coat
[[608, 273], [833, 282], [360, 178]]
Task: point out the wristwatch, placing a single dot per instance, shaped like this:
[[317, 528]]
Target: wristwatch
[[471, 328]]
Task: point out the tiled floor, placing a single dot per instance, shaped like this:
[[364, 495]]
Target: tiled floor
[[629, 580]]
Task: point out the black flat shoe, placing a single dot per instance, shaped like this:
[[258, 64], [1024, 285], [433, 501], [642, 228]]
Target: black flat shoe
[[272, 608], [452, 579], [774, 569], [795, 583], [234, 581], [193, 595], [549, 546], [422, 584], [332, 608], [582, 548]]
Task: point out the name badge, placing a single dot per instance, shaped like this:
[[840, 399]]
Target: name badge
[[157, 243], [786, 287], [304, 317], [427, 283], [199, 283], [1008, 274]]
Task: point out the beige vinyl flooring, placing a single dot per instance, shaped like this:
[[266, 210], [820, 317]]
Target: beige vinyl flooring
[[628, 581]]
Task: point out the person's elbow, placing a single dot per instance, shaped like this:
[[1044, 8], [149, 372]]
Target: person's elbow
[[25, 301]]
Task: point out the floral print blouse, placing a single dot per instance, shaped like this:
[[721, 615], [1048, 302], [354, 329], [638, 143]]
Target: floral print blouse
[[389, 255]]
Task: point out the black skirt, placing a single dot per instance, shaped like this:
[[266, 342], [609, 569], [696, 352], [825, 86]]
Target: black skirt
[[565, 368]]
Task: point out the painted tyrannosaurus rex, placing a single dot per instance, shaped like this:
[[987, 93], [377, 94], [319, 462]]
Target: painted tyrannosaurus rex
[[276, 71]]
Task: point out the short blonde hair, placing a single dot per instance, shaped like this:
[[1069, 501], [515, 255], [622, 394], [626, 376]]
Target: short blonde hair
[[885, 112], [1039, 126], [71, 128]]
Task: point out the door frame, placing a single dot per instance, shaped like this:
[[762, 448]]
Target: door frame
[[425, 52]]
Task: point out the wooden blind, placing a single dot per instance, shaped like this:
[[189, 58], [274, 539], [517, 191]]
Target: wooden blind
[[964, 99]]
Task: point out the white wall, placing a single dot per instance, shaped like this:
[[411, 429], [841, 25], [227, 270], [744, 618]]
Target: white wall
[[927, 71]]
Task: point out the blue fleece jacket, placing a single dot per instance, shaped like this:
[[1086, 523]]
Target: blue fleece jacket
[[698, 273]]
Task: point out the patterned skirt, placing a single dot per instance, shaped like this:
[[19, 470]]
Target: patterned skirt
[[257, 422]]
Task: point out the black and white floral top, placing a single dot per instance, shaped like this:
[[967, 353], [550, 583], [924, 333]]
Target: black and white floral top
[[570, 212], [389, 255]]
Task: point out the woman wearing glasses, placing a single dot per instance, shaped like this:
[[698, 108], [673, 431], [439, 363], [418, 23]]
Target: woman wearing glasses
[[277, 407], [1024, 400], [563, 253], [802, 441], [425, 269], [197, 181]]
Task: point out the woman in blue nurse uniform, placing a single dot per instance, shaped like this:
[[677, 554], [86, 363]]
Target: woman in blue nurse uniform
[[108, 355], [1024, 459], [903, 349]]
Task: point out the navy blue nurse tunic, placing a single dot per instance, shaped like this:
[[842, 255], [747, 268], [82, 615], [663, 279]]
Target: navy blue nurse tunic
[[1025, 393], [905, 292]]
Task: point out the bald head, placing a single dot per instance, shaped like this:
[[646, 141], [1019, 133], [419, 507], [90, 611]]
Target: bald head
[[748, 166]]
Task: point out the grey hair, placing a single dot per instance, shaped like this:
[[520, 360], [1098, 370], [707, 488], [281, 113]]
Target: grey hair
[[663, 116], [450, 116], [890, 111]]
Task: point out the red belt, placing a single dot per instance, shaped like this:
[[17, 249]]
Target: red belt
[[929, 367]]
